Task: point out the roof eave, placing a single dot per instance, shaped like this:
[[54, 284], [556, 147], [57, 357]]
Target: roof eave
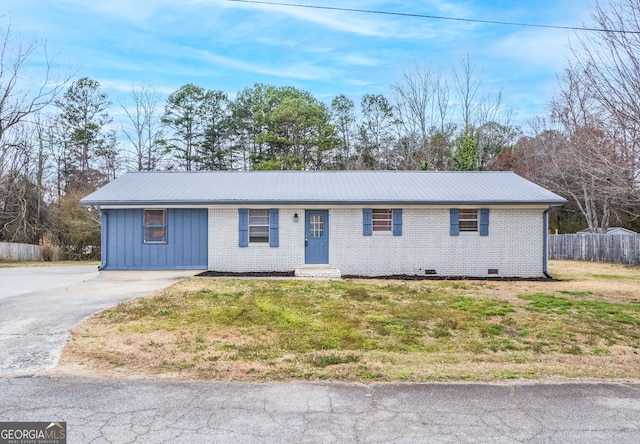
[[138, 203]]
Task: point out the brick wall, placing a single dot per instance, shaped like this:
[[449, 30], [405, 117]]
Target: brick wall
[[226, 255], [514, 246]]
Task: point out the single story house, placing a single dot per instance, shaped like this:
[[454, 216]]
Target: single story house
[[366, 223]]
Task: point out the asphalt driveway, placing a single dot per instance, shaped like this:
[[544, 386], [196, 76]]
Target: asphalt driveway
[[38, 305]]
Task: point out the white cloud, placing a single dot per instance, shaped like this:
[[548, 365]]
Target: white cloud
[[360, 60], [303, 71], [359, 23]]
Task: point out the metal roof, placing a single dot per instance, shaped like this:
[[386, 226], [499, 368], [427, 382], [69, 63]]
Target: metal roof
[[321, 187]]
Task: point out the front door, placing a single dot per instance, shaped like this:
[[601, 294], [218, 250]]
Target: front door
[[316, 240]]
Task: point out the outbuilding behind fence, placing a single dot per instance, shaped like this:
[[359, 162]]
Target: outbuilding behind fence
[[619, 249]]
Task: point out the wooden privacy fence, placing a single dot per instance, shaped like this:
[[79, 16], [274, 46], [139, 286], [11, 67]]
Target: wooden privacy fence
[[614, 248], [20, 252]]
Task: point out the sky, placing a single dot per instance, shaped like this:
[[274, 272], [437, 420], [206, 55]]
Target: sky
[[229, 46]]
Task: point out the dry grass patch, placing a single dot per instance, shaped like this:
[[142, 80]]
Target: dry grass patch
[[368, 330], [8, 263]]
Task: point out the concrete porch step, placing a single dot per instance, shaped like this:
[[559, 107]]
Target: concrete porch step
[[318, 272]]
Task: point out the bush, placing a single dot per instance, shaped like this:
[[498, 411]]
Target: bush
[[48, 252]]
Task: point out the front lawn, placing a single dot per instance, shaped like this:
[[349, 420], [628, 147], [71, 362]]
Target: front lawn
[[584, 326], [5, 263]]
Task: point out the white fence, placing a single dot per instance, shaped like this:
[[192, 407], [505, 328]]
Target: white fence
[[20, 252], [613, 248]]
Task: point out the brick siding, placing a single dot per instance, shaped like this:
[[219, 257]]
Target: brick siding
[[514, 245]]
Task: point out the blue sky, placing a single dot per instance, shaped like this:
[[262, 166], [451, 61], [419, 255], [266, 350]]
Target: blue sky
[[229, 46]]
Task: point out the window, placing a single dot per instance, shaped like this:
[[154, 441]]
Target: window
[[382, 220], [468, 220], [316, 226], [155, 226], [259, 226]]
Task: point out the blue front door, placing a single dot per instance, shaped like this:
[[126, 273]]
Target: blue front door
[[316, 240]]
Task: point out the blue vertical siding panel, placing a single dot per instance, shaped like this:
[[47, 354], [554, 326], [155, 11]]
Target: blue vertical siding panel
[[183, 245], [204, 238], [186, 245], [121, 223], [166, 252], [182, 237], [137, 236], [145, 250], [113, 237], [183, 250], [129, 235], [200, 219], [197, 236]]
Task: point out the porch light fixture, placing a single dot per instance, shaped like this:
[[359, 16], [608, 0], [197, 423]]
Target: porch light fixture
[[295, 217]]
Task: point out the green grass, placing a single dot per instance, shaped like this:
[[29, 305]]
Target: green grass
[[304, 316], [377, 330], [594, 311]]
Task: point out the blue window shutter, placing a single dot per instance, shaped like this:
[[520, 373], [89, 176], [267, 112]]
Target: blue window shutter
[[484, 222], [273, 227], [243, 227], [367, 221], [454, 220], [397, 221]]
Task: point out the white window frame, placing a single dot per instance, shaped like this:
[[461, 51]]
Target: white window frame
[[381, 220], [262, 239], [146, 227], [469, 220]]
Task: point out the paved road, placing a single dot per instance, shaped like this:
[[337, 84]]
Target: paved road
[[118, 411], [38, 305]]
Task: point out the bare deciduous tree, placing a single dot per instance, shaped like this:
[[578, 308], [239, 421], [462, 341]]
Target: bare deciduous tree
[[145, 132], [589, 166], [18, 98], [421, 103], [607, 64]]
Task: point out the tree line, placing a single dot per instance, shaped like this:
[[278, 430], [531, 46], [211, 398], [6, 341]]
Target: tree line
[[58, 141]]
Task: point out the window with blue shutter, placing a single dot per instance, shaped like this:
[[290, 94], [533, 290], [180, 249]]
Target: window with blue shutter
[[367, 221], [273, 227], [397, 221], [484, 222], [454, 222], [243, 227]]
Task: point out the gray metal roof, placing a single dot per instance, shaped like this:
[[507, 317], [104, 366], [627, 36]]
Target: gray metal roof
[[321, 187]]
